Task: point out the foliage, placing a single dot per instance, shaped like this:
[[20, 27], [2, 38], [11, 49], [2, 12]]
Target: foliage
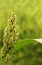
[[29, 54], [25, 50]]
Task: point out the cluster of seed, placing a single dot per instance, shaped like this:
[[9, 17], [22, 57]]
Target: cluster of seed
[[10, 35]]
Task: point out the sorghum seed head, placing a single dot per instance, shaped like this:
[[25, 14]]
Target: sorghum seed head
[[10, 34]]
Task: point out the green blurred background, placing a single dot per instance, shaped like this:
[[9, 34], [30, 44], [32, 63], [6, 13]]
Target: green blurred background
[[29, 17]]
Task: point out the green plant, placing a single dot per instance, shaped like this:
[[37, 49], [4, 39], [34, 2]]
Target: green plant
[[10, 36], [16, 51]]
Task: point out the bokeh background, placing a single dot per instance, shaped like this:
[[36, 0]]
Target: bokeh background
[[29, 17]]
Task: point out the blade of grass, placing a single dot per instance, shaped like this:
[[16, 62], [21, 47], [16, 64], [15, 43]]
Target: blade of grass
[[22, 43]]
